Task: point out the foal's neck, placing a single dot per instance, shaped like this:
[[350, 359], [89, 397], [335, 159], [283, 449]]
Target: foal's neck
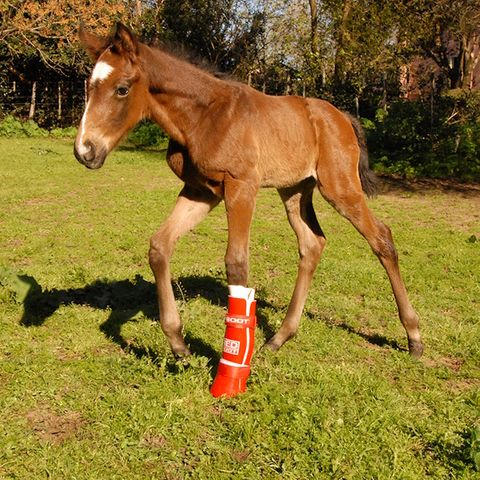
[[180, 92]]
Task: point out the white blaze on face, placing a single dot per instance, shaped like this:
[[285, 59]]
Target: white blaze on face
[[81, 134], [100, 73]]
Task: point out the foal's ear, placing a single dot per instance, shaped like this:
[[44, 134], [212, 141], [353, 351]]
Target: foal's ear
[[125, 41], [93, 44]]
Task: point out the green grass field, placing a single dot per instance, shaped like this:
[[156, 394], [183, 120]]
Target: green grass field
[[90, 390]]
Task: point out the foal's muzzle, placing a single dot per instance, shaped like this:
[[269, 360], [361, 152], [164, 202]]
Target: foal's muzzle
[[90, 155]]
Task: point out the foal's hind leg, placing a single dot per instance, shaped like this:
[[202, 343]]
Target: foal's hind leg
[[348, 199], [311, 241], [192, 206]]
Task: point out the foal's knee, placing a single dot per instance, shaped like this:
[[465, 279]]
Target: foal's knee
[[311, 252], [160, 250]]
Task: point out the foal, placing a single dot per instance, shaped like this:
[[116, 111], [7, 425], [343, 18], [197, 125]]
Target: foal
[[226, 141]]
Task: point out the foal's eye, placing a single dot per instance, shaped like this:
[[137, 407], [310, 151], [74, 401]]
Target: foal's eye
[[122, 91]]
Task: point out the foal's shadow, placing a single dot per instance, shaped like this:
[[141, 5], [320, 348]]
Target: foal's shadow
[[126, 299], [371, 338]]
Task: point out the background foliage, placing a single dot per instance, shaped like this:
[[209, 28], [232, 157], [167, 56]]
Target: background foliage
[[417, 60]]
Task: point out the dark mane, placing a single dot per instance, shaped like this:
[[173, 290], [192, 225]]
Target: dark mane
[[182, 52], [174, 49]]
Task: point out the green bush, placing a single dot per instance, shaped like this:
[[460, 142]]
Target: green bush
[[147, 134], [68, 132], [420, 139], [12, 127]]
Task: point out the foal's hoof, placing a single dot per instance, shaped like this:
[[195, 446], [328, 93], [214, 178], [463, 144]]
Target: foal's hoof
[[181, 355], [415, 348], [271, 345]]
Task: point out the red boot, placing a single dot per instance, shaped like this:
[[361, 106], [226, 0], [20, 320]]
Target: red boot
[[234, 367]]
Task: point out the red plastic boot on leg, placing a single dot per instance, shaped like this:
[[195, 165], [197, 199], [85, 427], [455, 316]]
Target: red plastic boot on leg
[[234, 367]]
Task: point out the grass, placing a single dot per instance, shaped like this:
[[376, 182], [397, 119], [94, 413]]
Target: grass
[[89, 389]]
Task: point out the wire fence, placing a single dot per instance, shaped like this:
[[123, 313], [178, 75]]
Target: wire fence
[[49, 103]]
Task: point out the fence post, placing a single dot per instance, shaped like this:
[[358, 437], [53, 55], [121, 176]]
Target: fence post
[[33, 101], [59, 111]]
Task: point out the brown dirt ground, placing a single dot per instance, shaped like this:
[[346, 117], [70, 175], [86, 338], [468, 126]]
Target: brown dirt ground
[[54, 428], [396, 184], [457, 204]]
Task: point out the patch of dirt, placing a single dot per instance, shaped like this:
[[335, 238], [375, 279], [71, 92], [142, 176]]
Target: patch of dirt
[[241, 456], [155, 442], [54, 428], [463, 385], [394, 184], [437, 200], [15, 243], [38, 202], [454, 364], [108, 350], [4, 379], [216, 410], [65, 355]]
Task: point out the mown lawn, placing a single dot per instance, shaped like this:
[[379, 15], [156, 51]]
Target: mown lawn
[[89, 389]]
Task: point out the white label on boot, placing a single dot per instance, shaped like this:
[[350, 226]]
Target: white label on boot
[[239, 291], [233, 364], [231, 346]]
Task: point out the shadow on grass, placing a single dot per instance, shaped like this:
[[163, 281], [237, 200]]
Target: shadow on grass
[[461, 450], [125, 299], [371, 338]]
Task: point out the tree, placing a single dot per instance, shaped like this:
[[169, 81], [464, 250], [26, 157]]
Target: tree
[[446, 31], [45, 33], [200, 25]]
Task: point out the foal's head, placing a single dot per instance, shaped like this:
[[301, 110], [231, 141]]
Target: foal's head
[[117, 95]]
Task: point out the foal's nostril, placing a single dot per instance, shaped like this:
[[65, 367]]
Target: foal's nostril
[[89, 152], [85, 152]]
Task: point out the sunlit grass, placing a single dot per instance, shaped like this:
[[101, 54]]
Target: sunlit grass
[[89, 389]]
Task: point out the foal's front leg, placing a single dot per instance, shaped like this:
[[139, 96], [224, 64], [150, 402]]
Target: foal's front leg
[[240, 205], [192, 206]]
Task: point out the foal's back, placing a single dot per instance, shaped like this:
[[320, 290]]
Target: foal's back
[[292, 136]]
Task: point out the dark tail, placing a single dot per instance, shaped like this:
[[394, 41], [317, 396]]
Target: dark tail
[[367, 177]]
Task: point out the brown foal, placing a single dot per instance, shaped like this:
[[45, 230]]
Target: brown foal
[[227, 141]]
